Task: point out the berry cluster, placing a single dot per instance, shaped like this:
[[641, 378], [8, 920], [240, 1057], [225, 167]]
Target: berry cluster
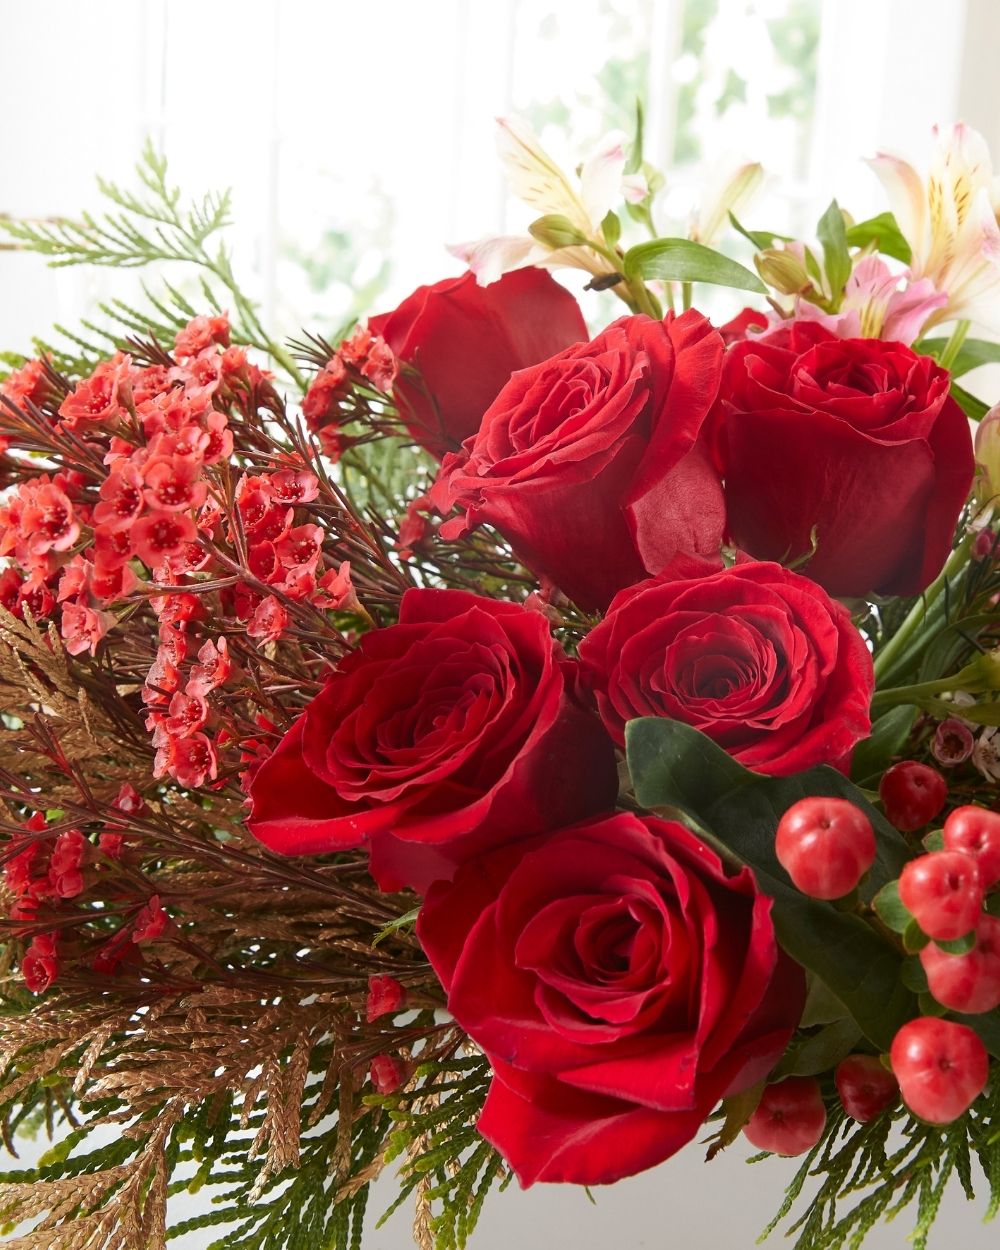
[[827, 845]]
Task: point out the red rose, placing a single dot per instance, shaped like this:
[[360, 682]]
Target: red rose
[[590, 464], [452, 730], [620, 984], [464, 341], [855, 440], [758, 658]]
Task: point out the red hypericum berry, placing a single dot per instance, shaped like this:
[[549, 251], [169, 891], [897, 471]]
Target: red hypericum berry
[[790, 1117], [386, 996], [912, 794], [977, 832], [387, 1074], [942, 891], [865, 1087], [969, 983], [825, 845], [941, 1067]]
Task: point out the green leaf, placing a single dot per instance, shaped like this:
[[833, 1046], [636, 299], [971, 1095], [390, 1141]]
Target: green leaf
[[970, 404], [759, 238], [822, 1006], [674, 765], [914, 938], [888, 737], [737, 1110], [821, 1051], [836, 257], [611, 228], [987, 1027], [959, 946], [634, 162], [972, 354], [933, 841], [884, 232], [913, 976], [891, 909], [681, 260]]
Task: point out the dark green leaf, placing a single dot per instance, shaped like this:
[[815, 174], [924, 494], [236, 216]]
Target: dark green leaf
[[987, 1027], [884, 232], [929, 1006], [836, 257], [820, 1052], [673, 764], [913, 976], [822, 1006], [681, 260], [888, 737], [970, 404], [890, 908], [972, 354], [914, 938]]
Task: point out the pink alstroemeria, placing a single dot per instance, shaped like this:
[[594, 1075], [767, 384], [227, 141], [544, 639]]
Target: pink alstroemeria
[[949, 220], [877, 306], [535, 178]]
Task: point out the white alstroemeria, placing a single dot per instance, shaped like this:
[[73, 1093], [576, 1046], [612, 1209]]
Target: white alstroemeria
[[729, 189], [535, 178], [950, 222]]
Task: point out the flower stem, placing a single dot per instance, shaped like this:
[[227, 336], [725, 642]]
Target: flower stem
[[954, 344], [897, 644]]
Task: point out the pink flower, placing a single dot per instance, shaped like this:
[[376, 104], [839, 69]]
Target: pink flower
[[82, 628], [202, 332], [212, 670], [151, 922], [40, 965], [159, 535], [386, 996], [191, 761], [953, 742], [269, 621], [387, 1074], [67, 862], [95, 401]]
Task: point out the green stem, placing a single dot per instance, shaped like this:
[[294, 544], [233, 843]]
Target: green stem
[[897, 644], [954, 344], [686, 295]]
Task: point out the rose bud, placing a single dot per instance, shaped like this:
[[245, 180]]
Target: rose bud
[[385, 997]]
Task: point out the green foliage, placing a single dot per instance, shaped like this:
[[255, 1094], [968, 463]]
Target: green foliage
[[883, 231], [448, 1165], [836, 258], [857, 1164], [146, 227], [676, 767], [681, 260]]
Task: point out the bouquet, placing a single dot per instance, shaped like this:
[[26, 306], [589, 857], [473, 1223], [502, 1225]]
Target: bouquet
[[475, 747]]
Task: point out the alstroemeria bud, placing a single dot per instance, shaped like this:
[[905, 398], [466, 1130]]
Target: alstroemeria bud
[[783, 269], [953, 742], [988, 457]]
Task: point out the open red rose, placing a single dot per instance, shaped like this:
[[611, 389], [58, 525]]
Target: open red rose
[[462, 342], [760, 659], [590, 463], [450, 731], [854, 441], [620, 983]]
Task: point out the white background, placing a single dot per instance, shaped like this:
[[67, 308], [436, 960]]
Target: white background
[[328, 116]]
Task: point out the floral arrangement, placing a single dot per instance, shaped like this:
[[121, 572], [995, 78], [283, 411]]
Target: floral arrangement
[[476, 747]]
